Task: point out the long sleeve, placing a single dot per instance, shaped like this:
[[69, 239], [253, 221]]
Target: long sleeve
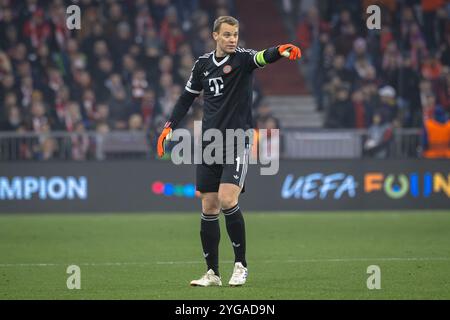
[[259, 59], [191, 91], [181, 108]]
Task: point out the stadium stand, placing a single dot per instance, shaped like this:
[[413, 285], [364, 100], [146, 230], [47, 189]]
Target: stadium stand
[[125, 68]]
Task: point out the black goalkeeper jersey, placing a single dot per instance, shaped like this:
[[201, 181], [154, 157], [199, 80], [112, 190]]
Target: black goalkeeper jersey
[[227, 89]]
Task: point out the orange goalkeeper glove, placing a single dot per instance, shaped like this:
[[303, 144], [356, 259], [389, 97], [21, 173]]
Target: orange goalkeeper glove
[[166, 134], [290, 51]]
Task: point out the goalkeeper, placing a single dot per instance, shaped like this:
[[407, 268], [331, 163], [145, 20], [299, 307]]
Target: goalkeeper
[[225, 76]]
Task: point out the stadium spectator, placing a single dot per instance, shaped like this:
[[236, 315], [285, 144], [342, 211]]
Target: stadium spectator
[[10, 100], [388, 108], [88, 106], [60, 107], [115, 16], [264, 115], [158, 9], [379, 138], [148, 107], [407, 27], [445, 50], [444, 90], [429, 9], [135, 122], [72, 116], [391, 64], [170, 32], [344, 33], [325, 68], [265, 119], [13, 120], [359, 109], [418, 50], [309, 28], [25, 91], [80, 142], [184, 68], [57, 18], [358, 53], [341, 113], [8, 85], [37, 120], [268, 148], [103, 118], [436, 135], [143, 22], [119, 102], [426, 89], [5, 64], [431, 68], [429, 107], [339, 70], [123, 41], [139, 84], [409, 94], [46, 146], [37, 30]]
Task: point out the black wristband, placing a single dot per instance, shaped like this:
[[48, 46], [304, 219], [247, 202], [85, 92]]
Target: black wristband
[[272, 54]]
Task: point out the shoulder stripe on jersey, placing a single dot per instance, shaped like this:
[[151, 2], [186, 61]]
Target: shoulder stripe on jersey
[[192, 91], [207, 55], [245, 50], [195, 63]]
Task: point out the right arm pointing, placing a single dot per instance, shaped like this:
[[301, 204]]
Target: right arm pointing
[[192, 90]]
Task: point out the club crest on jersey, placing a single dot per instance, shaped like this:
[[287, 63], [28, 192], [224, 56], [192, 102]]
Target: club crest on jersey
[[227, 69]]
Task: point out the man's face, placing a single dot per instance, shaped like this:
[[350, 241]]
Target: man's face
[[227, 38]]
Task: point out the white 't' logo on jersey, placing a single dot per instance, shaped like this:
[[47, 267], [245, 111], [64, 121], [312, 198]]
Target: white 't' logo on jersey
[[217, 86]]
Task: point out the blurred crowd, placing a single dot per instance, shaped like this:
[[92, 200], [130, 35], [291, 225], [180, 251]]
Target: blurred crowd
[[127, 65], [398, 76], [123, 70]]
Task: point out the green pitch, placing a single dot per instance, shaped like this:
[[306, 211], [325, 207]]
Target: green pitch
[[290, 256]]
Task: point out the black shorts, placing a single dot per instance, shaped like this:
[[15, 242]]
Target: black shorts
[[210, 176]]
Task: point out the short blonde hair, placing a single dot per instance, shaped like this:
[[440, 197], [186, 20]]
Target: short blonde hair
[[224, 19]]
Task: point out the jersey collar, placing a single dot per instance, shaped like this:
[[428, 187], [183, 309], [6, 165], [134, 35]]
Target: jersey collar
[[221, 62]]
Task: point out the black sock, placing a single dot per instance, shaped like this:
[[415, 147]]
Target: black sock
[[210, 236], [236, 230]]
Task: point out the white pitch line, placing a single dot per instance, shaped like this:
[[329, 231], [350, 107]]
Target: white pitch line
[[78, 264], [188, 262], [368, 259], [100, 264]]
